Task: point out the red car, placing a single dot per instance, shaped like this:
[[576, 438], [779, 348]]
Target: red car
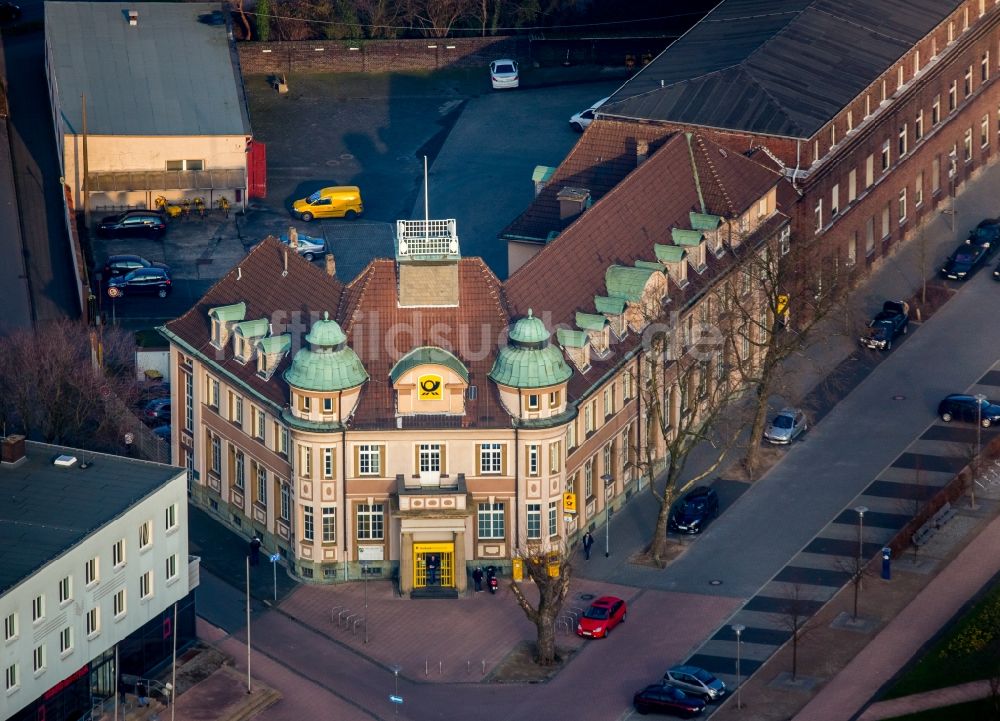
[[603, 615]]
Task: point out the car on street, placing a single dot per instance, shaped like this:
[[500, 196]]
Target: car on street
[[890, 322], [996, 272], [964, 261], [144, 281], [603, 615], [157, 411], [117, 265], [163, 433], [787, 425], [693, 512], [986, 234], [666, 699], [9, 12], [307, 246], [503, 74], [337, 201], [582, 120], [133, 223], [969, 409], [695, 681]]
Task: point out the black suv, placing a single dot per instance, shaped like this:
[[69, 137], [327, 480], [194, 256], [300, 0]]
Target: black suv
[[987, 234], [693, 512], [155, 281], [959, 407], [117, 265], [143, 223], [964, 261]]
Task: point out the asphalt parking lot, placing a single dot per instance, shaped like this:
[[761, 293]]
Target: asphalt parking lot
[[373, 131]]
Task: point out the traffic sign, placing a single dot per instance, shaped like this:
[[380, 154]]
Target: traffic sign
[[275, 557], [396, 699]]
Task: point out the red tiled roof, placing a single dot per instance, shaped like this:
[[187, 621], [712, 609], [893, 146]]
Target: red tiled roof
[[381, 332], [290, 302]]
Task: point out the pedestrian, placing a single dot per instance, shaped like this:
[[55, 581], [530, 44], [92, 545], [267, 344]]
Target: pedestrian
[[477, 576], [588, 542], [140, 691], [255, 550]]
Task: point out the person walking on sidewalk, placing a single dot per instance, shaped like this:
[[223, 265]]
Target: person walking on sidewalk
[[477, 577], [588, 543]]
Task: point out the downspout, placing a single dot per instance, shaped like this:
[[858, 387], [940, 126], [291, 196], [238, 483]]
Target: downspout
[[694, 172], [343, 474], [798, 162], [638, 420], [517, 474]]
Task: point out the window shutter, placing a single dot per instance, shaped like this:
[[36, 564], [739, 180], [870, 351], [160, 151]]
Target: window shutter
[[357, 460], [479, 459], [444, 458], [416, 459], [382, 472]]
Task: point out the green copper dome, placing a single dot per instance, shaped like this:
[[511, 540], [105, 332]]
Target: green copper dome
[[529, 360], [328, 364]]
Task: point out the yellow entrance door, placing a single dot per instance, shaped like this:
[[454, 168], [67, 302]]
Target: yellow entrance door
[[433, 565]]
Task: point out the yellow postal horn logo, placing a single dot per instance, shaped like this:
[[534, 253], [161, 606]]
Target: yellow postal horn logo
[[430, 388]]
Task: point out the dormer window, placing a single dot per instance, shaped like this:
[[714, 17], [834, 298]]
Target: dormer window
[[532, 401], [245, 336], [328, 405], [223, 319], [305, 404], [673, 258], [270, 351], [596, 328]]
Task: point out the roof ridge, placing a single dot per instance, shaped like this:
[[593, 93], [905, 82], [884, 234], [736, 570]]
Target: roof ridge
[[700, 141], [496, 289], [779, 107], [364, 277]]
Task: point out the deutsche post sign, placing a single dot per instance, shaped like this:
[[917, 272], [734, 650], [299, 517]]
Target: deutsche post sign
[[569, 502], [429, 388]]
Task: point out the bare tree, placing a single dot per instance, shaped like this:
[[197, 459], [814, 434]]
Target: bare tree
[[382, 17], [787, 288], [248, 33], [857, 569], [65, 384], [435, 18], [796, 619], [550, 572]]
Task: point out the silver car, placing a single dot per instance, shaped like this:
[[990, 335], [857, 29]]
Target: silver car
[[308, 246], [695, 681], [786, 426]]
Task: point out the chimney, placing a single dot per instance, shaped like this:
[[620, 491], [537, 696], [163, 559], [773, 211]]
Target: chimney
[[293, 238], [133, 17], [641, 151], [12, 449], [572, 202], [331, 265]]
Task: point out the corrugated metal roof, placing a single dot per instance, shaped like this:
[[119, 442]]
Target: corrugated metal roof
[[171, 74], [776, 68]]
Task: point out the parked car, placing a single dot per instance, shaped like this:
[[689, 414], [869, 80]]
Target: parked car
[[603, 615], [503, 74], [996, 272], [338, 201], [144, 281], [663, 698], [786, 426], [696, 682], [891, 321], [961, 407], [163, 433], [964, 261], [117, 265], [133, 223], [307, 246], [986, 234], [157, 411], [693, 512], [582, 120], [9, 12]]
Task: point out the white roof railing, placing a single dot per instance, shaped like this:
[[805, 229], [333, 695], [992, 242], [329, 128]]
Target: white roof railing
[[426, 238]]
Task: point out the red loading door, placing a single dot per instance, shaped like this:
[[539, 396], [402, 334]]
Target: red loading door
[[257, 170]]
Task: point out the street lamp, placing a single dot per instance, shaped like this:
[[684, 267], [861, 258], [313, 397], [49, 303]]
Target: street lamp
[[980, 401], [395, 694], [608, 482], [861, 511], [738, 629]]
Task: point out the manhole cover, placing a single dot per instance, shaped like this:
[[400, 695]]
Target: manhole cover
[[899, 398], [715, 582], [586, 597]]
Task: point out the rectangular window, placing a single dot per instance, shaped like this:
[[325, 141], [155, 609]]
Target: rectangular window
[[305, 461], [626, 386], [588, 479], [532, 401], [66, 640], [606, 459], [170, 517], [65, 589], [11, 678], [835, 200], [240, 471], [429, 457], [305, 404], [281, 438], [553, 518], [188, 403], [609, 391], [902, 140], [308, 532], [555, 398], [173, 165], [918, 126], [868, 105], [38, 659], [984, 67], [869, 171], [936, 110], [216, 455], [491, 520], [852, 185], [936, 174], [899, 77], [952, 96], [327, 463], [261, 485], [818, 213], [885, 222], [286, 502], [236, 409], [886, 155], [984, 131], [329, 524], [918, 190], [213, 392], [588, 418], [916, 61], [571, 435], [370, 522], [10, 627], [555, 457], [328, 405], [870, 235], [490, 458], [170, 569], [531, 452], [967, 145], [850, 120], [118, 553], [90, 571], [94, 621], [145, 534], [852, 249], [119, 605], [258, 426], [146, 585], [369, 460], [534, 520], [967, 84], [902, 206]]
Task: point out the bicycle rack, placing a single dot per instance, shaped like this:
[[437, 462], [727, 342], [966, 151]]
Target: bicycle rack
[[333, 614], [354, 628], [340, 616]]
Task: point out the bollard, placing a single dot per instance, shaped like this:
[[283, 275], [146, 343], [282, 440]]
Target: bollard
[[468, 667], [484, 667], [440, 668], [427, 671]]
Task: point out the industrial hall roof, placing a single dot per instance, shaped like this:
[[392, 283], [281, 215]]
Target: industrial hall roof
[[170, 73], [782, 69], [49, 509]]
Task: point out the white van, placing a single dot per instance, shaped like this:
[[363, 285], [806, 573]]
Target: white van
[[580, 121]]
